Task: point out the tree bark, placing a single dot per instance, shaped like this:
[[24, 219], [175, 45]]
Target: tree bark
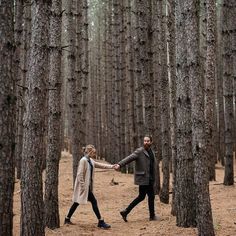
[[228, 28], [165, 111], [7, 119], [219, 84], [201, 175], [157, 75], [172, 62], [73, 91], [185, 188], [52, 219], [18, 74], [210, 87], [32, 210]]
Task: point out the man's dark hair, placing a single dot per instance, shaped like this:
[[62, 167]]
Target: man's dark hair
[[149, 136]]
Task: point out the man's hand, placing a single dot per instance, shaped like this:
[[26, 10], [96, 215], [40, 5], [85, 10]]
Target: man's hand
[[116, 167]]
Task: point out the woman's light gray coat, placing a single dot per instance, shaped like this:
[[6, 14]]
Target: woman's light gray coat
[[82, 181]]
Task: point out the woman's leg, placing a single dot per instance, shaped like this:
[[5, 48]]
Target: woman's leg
[[72, 210], [93, 201], [101, 222]]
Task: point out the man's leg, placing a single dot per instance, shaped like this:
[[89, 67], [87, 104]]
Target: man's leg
[[151, 198], [136, 201]]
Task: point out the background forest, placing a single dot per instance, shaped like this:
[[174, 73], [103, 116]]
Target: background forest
[[107, 72]]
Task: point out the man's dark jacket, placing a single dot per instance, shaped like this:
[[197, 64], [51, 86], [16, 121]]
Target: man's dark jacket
[[142, 166]]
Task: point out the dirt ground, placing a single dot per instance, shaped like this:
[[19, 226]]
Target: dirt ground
[[113, 198]]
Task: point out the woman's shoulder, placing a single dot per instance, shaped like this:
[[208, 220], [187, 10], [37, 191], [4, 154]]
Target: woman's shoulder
[[83, 159]]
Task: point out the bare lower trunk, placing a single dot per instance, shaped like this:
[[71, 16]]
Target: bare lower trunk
[[52, 219], [32, 211], [7, 106], [228, 27]]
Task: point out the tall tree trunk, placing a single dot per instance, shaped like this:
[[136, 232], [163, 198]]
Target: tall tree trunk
[[24, 55], [210, 87], [165, 111], [228, 28], [108, 81], [32, 210], [99, 88], [85, 72], [234, 85], [157, 70], [219, 84], [7, 109], [123, 92], [172, 62], [130, 138], [78, 7], [73, 91], [116, 76], [18, 73], [185, 190], [201, 176], [52, 219], [143, 15], [139, 10]]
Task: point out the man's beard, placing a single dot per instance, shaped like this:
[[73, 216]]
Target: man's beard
[[147, 146]]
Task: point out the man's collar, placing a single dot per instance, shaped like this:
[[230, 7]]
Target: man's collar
[[145, 152]]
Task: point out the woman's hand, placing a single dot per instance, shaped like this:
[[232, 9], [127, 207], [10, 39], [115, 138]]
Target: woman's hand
[[116, 167]]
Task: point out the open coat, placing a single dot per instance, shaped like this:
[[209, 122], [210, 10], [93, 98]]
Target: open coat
[[142, 165], [82, 181]]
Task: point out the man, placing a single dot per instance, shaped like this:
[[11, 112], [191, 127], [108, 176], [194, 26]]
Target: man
[[144, 176]]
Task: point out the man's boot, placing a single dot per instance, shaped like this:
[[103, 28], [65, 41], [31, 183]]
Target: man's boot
[[124, 215]]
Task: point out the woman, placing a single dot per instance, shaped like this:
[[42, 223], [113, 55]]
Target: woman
[[83, 188]]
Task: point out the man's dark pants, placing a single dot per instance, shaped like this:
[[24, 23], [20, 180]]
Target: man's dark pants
[[143, 190]]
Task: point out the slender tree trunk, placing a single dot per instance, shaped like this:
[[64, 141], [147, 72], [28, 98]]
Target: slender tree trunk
[[228, 28], [18, 74], [73, 93], [210, 87], [32, 210], [21, 84], [157, 70], [201, 176], [85, 72], [130, 138], [7, 119], [185, 188], [172, 61], [165, 112], [109, 72], [78, 13], [143, 15], [52, 219], [116, 76], [123, 91], [105, 46], [219, 84], [99, 88], [139, 26]]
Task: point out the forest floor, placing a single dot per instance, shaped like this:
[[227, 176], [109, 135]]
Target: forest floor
[[113, 198]]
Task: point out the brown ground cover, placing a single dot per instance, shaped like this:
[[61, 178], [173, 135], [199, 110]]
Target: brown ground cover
[[113, 198]]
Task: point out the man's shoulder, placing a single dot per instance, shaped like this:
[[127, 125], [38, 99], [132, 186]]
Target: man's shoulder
[[139, 150]]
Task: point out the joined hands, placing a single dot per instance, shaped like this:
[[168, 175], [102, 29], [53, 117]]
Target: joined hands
[[116, 167]]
